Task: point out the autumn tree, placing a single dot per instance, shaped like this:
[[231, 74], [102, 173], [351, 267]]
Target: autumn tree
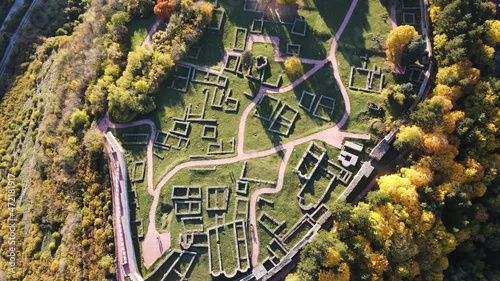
[[434, 13], [396, 42], [92, 141], [164, 8], [293, 65]]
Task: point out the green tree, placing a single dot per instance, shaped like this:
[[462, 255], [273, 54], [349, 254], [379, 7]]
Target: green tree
[[408, 136], [120, 19], [414, 50], [92, 141], [312, 255], [79, 119], [140, 8]]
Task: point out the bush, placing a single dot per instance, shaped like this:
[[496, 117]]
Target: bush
[[247, 59], [293, 66]]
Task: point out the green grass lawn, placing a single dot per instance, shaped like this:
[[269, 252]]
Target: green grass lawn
[[171, 104], [365, 33], [257, 137], [275, 69]]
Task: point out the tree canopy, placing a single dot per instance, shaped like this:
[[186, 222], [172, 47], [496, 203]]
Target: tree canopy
[[293, 66], [165, 8]]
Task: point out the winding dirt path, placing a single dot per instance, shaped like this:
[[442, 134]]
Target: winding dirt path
[[333, 136], [392, 14]]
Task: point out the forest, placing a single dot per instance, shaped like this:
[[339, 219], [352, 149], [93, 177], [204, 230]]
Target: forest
[[436, 217]]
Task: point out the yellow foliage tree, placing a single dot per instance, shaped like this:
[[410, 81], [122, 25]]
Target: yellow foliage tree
[[475, 189], [440, 192], [450, 120], [435, 143], [332, 258], [427, 220], [474, 169], [419, 176], [293, 66], [292, 277], [206, 9], [493, 30], [325, 275], [400, 190], [453, 74], [445, 163], [440, 40], [444, 101], [141, 86], [397, 40], [383, 230], [343, 273], [447, 241]]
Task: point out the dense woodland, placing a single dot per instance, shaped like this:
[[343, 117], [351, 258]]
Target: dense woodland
[[437, 216], [83, 59]]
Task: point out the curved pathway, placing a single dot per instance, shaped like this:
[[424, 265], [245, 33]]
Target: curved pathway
[[333, 136], [105, 124]]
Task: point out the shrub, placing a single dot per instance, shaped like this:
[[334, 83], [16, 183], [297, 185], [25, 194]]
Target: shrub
[[293, 66]]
